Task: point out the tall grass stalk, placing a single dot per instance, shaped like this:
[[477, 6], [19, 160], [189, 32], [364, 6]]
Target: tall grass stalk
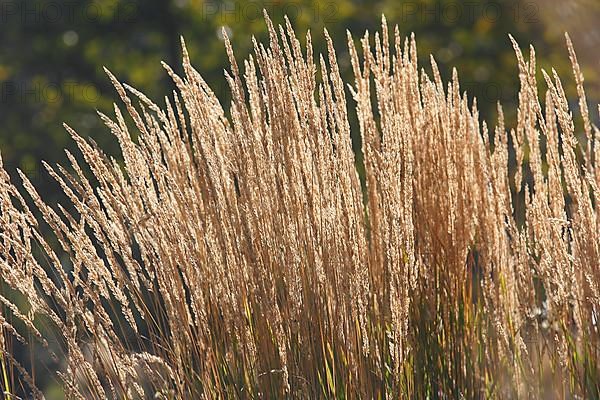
[[239, 255]]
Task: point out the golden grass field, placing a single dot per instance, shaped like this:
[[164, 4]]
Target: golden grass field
[[239, 253]]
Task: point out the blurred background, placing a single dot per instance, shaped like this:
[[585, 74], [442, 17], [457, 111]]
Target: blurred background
[[52, 54]]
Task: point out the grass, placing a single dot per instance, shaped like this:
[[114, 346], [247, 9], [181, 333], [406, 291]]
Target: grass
[[240, 255]]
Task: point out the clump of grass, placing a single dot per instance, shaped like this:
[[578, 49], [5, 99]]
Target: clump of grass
[[235, 256]]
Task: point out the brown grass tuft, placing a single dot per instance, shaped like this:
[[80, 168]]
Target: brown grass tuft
[[235, 256]]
